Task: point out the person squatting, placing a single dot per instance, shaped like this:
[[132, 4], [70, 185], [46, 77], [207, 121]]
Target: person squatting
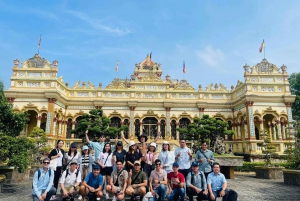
[[104, 170]]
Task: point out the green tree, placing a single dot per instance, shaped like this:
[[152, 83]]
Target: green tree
[[207, 128], [97, 124], [294, 80], [40, 139], [11, 123], [13, 148], [267, 148]]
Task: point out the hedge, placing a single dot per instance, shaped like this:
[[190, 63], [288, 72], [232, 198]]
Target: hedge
[[249, 166]]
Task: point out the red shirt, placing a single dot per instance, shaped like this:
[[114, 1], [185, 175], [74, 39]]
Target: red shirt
[[172, 177]]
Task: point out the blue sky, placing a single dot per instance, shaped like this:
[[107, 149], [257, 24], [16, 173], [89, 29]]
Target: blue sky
[[215, 38]]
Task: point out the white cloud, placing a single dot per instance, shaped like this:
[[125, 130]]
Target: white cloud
[[212, 57], [96, 24]]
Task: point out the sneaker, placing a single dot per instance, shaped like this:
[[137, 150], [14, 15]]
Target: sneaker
[[114, 198], [79, 197], [98, 199]]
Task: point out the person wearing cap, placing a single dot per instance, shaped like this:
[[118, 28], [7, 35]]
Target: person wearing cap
[[120, 154], [137, 181], [150, 158], [217, 184], [118, 182], [183, 155], [86, 161], [72, 154], [196, 183], [176, 184], [132, 155], [205, 158], [92, 184], [158, 181], [70, 180], [42, 189], [143, 145], [166, 156], [97, 146]]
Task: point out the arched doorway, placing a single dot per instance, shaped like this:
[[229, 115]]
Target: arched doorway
[[43, 121], [137, 127], [173, 129], [150, 127], [163, 128], [183, 123], [69, 129], [32, 121], [126, 131], [115, 122]]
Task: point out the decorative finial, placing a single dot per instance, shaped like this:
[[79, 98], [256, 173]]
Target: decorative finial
[[216, 87], [168, 77], [232, 87], [200, 87], [67, 84], [83, 85], [16, 62], [100, 85], [283, 68], [55, 63], [246, 68]]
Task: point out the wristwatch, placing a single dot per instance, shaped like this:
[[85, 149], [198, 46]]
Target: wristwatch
[[158, 182]]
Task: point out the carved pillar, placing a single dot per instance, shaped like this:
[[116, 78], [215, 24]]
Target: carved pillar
[[158, 126], [131, 120], [270, 129], [141, 129], [63, 129], [168, 123], [54, 126], [251, 127], [283, 130], [261, 128], [246, 129], [177, 132], [238, 131], [290, 119], [51, 105], [274, 131], [234, 129], [59, 127], [278, 123], [73, 125], [38, 122], [201, 112]]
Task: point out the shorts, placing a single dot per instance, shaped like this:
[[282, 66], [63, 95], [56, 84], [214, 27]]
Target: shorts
[[136, 191], [67, 189], [106, 171]]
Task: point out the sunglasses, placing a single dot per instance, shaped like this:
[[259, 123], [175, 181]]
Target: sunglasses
[[102, 137], [136, 164], [157, 164], [175, 167], [46, 162], [73, 147]]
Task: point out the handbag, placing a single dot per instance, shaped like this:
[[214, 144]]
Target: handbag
[[53, 163]]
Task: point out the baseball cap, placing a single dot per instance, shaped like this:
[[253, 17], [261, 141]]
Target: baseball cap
[[120, 143], [137, 162], [175, 164], [74, 161], [195, 163], [96, 166], [85, 147]]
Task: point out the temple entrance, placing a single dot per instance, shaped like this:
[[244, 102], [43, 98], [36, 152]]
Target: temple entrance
[[150, 127]]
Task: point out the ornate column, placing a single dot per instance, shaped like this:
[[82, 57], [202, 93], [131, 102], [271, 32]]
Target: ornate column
[[158, 126], [141, 129], [261, 128], [233, 128], [283, 130], [246, 129], [131, 120], [73, 125], [290, 119], [177, 132], [54, 126], [251, 127], [274, 131], [168, 123], [50, 124], [63, 129], [278, 123], [38, 122], [59, 127], [238, 130], [201, 112], [270, 129]]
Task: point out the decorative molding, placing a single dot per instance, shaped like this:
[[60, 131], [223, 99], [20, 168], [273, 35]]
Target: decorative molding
[[115, 108], [81, 107]]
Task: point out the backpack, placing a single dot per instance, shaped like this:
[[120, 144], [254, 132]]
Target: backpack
[[232, 195], [39, 174], [201, 175], [67, 173]]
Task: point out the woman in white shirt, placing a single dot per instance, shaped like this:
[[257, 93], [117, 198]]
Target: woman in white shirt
[[72, 155], [166, 157], [105, 160]]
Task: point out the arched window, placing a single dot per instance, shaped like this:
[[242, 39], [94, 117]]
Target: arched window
[[163, 128], [173, 129], [69, 129], [137, 127], [126, 131], [150, 126], [183, 123], [115, 122]]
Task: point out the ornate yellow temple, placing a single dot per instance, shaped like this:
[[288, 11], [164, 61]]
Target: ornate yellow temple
[[149, 103]]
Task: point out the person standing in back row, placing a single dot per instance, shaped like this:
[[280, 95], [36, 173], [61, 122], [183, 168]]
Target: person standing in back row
[[183, 155], [205, 158]]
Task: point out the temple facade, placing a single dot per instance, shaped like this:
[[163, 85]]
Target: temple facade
[[149, 102]]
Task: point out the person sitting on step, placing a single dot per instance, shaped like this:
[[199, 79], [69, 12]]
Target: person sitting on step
[[158, 182], [70, 180], [176, 184], [137, 182], [92, 185], [118, 182]]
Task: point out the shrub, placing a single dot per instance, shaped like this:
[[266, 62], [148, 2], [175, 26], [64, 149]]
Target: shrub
[[249, 166]]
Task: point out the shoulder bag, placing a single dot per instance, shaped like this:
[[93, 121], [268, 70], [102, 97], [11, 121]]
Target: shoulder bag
[[54, 162]]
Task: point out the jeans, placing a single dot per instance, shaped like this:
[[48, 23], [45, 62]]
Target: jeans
[[176, 192], [217, 194], [49, 194], [191, 192], [161, 191], [57, 174]]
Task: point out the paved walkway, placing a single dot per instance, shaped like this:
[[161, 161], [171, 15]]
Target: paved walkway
[[248, 187]]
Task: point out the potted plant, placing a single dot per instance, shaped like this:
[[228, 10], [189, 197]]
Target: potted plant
[[268, 171]]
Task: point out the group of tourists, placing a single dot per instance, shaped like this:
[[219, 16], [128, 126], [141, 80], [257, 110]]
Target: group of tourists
[[103, 170]]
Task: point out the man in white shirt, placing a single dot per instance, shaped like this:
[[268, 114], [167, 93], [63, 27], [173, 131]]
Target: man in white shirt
[[70, 180], [183, 155]]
